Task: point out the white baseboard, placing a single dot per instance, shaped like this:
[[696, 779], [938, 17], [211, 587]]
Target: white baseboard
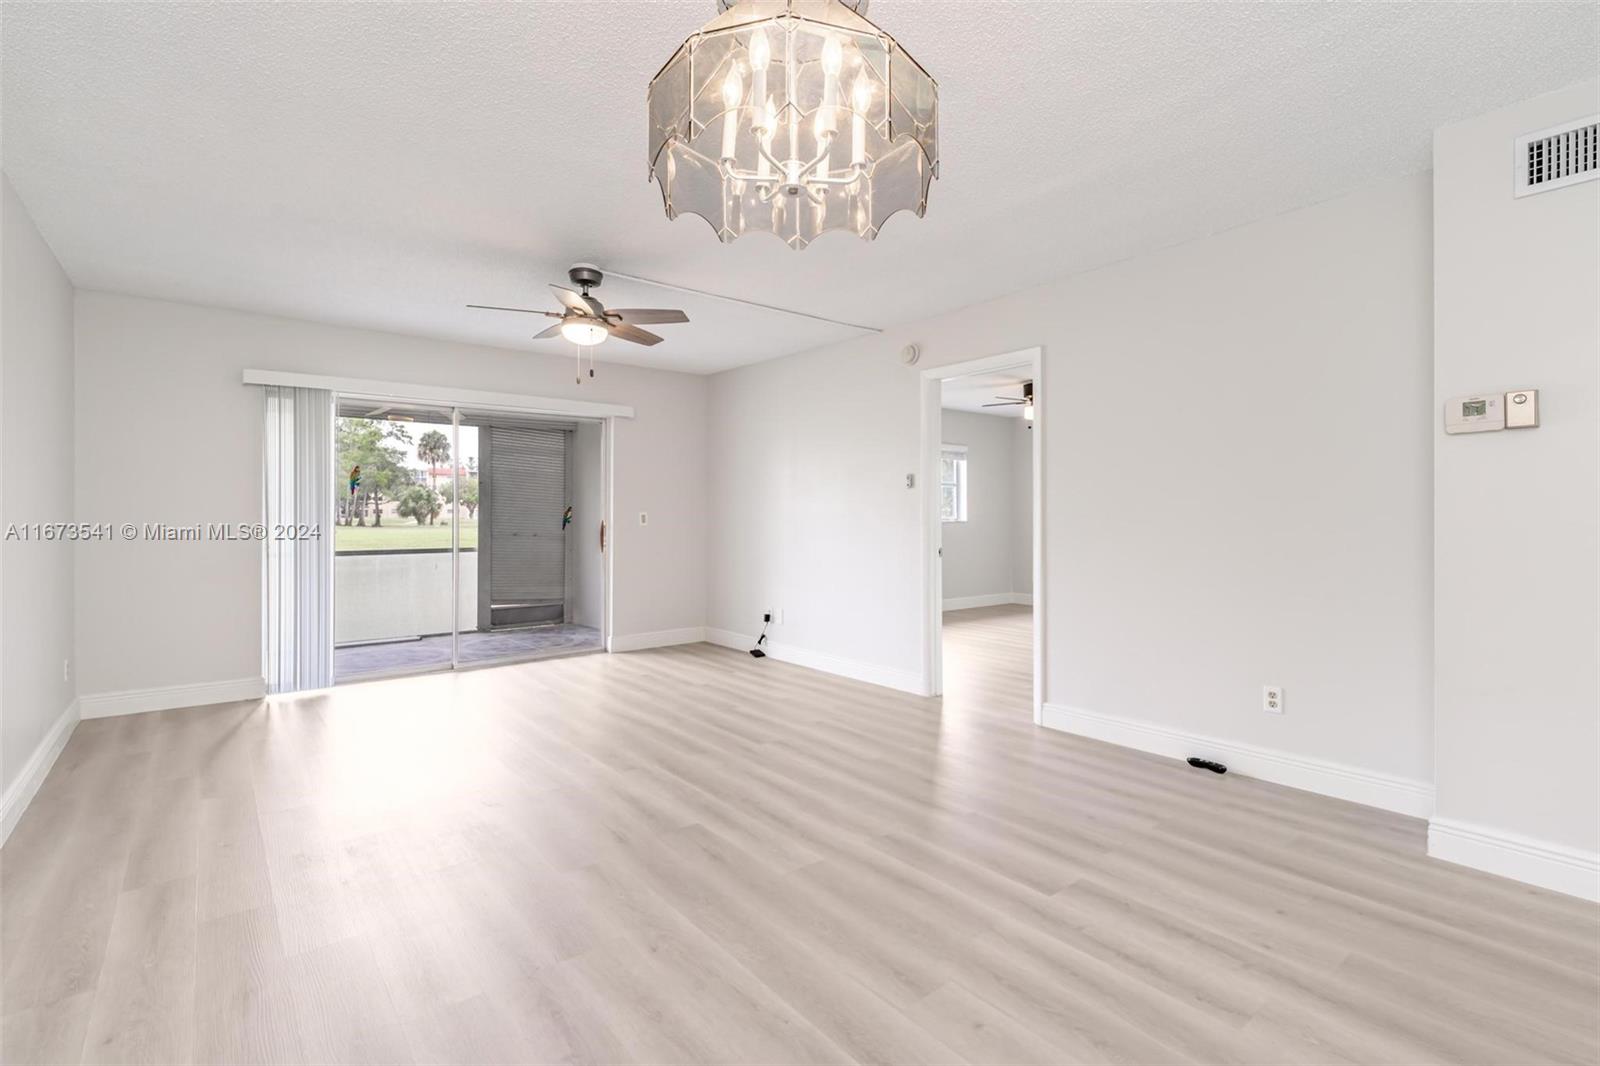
[[988, 599], [663, 638], [137, 701], [873, 674], [34, 771], [1403, 795], [1535, 862]]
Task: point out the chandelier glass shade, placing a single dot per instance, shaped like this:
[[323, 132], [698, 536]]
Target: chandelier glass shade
[[793, 117]]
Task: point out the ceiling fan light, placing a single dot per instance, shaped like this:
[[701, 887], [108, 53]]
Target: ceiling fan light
[[579, 331]]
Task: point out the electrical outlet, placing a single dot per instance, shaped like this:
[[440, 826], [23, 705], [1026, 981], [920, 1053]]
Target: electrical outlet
[[1272, 699], [644, 518]]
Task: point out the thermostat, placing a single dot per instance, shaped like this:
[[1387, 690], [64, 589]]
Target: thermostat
[[1475, 414]]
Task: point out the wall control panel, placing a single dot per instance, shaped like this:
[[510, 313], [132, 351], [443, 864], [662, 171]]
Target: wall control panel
[[1475, 414], [1522, 409], [1490, 411]]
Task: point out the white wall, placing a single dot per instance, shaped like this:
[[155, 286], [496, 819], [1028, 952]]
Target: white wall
[[1238, 485], [977, 560], [36, 420], [166, 432], [1516, 549], [1021, 507]]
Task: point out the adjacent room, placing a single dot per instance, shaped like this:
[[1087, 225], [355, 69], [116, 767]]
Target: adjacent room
[[799, 531], [985, 547]]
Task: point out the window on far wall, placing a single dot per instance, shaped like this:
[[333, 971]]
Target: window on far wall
[[953, 482]]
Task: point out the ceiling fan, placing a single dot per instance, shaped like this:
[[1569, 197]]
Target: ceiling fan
[[1026, 400], [585, 320]]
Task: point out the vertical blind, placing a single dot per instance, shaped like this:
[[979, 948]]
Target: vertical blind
[[297, 594], [527, 487]]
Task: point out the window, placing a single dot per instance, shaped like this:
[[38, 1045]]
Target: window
[[953, 482]]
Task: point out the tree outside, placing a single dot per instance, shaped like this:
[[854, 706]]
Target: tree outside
[[469, 495], [393, 459], [434, 450], [372, 445], [421, 503]]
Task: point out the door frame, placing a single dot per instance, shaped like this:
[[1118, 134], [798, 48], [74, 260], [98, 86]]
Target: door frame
[[1031, 361]]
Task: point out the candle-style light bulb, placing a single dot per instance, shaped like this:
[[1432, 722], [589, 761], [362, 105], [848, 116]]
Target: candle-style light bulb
[[832, 57], [861, 95], [760, 50], [832, 63], [760, 58], [732, 93]]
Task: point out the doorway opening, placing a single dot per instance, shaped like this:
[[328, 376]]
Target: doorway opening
[[463, 537], [982, 433]]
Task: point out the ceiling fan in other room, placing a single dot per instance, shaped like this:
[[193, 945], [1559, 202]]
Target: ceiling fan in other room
[[586, 322], [1026, 400]]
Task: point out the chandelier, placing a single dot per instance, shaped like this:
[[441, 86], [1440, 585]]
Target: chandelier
[[793, 117]]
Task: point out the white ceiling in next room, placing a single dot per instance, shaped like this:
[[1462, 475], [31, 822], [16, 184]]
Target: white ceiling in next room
[[974, 391], [383, 165]]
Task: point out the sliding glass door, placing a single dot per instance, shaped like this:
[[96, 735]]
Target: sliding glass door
[[458, 538], [394, 539]]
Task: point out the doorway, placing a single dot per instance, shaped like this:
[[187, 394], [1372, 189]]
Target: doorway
[[463, 537], [982, 441]]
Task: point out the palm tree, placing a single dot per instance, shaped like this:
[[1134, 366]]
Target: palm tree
[[433, 449]]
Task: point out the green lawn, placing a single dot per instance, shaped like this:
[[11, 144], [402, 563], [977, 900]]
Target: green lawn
[[400, 535]]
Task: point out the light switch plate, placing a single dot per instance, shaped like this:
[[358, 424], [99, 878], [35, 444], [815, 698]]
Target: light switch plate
[[1522, 409]]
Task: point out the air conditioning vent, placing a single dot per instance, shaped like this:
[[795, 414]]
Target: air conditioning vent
[[1553, 158]]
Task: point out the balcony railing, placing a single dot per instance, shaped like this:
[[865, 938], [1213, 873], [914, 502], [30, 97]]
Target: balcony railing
[[392, 594]]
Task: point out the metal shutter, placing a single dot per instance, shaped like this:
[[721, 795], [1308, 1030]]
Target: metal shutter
[[527, 487]]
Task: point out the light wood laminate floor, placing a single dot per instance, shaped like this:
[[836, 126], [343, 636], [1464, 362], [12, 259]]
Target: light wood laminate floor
[[689, 855]]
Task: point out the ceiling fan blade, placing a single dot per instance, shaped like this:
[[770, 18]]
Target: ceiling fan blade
[[553, 331], [626, 332], [584, 305], [645, 316], [523, 310]]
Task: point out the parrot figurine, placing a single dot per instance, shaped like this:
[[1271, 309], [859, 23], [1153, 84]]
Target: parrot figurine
[[566, 517], [355, 478]]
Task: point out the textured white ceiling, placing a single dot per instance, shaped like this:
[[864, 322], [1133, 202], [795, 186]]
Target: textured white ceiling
[[970, 393], [381, 165]]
